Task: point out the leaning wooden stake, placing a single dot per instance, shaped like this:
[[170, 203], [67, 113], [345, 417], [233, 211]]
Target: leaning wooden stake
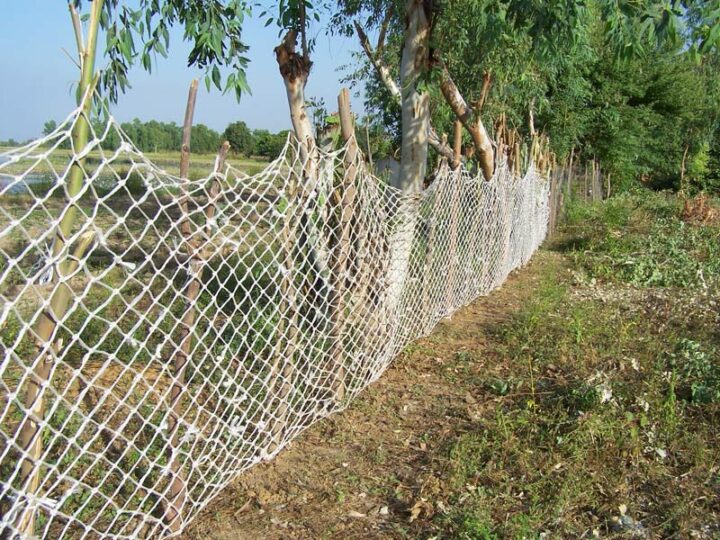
[[29, 439], [177, 491]]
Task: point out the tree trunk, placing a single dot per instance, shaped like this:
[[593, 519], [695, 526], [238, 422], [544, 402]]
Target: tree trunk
[[415, 105], [387, 79], [295, 69], [413, 166]]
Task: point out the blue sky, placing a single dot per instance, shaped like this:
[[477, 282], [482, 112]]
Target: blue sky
[[38, 76]]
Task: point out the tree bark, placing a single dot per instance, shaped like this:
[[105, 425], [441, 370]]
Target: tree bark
[[295, 69], [29, 435], [484, 92], [457, 144]]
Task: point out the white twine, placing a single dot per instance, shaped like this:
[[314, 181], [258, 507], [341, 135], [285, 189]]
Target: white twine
[[295, 312]]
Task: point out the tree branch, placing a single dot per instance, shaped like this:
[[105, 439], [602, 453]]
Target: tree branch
[[531, 118], [387, 79], [472, 122], [484, 92], [383, 31], [382, 70]]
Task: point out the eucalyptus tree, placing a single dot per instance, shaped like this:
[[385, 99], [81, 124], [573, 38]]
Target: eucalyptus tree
[[462, 41], [491, 58]]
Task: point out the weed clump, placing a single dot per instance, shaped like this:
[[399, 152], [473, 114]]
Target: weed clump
[[697, 370]]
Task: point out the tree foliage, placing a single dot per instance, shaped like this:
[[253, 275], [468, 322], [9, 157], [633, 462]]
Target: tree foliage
[[140, 31], [631, 83]]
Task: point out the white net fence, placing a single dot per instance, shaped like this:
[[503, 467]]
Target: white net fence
[[160, 335]]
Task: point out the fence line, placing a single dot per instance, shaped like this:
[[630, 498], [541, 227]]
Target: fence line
[[206, 323]]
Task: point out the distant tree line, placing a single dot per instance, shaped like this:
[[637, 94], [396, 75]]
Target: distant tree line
[[10, 142], [154, 136]]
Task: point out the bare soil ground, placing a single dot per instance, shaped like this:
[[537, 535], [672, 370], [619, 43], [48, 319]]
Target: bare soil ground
[[377, 469]]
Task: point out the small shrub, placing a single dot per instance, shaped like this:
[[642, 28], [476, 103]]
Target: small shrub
[[698, 371]]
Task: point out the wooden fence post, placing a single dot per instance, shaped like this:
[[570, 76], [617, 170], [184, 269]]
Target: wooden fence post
[[456, 186], [177, 492], [198, 254], [347, 194], [457, 144]]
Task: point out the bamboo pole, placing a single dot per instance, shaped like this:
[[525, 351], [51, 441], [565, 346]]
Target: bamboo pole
[[29, 438]]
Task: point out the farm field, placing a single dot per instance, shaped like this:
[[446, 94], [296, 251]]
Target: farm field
[[201, 165], [580, 400]]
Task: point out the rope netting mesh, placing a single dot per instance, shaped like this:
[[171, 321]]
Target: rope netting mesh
[[161, 335]]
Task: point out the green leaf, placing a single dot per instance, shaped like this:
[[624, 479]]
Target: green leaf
[[216, 79]]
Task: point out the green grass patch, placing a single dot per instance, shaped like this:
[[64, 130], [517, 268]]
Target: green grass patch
[[639, 238], [603, 405]]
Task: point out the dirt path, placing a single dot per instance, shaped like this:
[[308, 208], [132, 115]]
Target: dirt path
[[374, 470]]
